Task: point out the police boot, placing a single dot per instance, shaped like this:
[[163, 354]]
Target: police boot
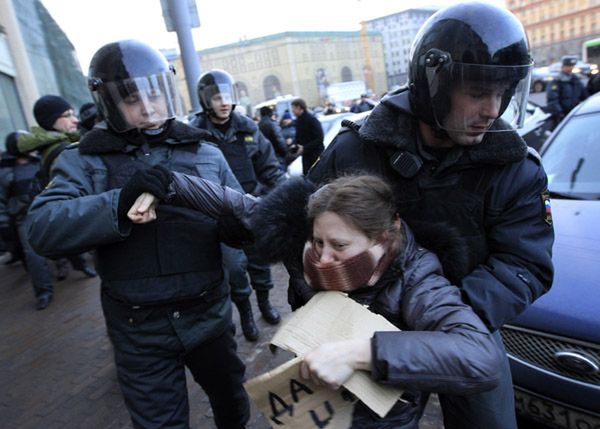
[[269, 313], [247, 320]]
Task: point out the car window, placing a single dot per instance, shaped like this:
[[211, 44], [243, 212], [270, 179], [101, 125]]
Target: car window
[[571, 160]]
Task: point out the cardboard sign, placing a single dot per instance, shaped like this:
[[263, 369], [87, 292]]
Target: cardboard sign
[[291, 402]]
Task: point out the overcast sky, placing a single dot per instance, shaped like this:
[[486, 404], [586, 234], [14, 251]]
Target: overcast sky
[[90, 24]]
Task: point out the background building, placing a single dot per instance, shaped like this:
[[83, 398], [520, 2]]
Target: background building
[[303, 64], [557, 27], [36, 58], [398, 31]]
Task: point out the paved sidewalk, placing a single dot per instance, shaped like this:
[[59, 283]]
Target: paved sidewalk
[[56, 365]]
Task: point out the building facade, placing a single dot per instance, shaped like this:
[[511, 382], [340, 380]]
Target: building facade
[[36, 58], [557, 27], [398, 31], [302, 64]]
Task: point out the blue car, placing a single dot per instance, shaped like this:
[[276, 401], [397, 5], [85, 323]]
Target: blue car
[[554, 346]]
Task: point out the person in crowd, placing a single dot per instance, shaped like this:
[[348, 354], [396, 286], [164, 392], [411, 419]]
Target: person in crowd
[[593, 85], [288, 130], [57, 130], [441, 143], [164, 295], [353, 241], [252, 160], [88, 117], [16, 175], [363, 105], [11, 250], [566, 91], [309, 134], [272, 131]]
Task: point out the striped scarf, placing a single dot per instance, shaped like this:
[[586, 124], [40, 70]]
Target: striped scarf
[[361, 270]]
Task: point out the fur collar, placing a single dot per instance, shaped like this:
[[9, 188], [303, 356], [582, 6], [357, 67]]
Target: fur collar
[[397, 130], [101, 140]]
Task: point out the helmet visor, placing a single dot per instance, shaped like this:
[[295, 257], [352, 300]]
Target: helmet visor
[[141, 102], [469, 98], [222, 93]]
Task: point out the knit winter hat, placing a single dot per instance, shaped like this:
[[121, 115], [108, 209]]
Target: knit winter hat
[[48, 109]]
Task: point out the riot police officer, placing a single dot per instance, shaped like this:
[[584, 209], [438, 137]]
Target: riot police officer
[[252, 159], [164, 295], [442, 142]]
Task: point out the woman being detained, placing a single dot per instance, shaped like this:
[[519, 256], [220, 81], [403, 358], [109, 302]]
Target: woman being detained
[[355, 242]]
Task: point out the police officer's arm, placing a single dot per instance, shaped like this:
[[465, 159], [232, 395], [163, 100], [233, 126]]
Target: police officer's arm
[[282, 148], [265, 162], [519, 235], [74, 213]]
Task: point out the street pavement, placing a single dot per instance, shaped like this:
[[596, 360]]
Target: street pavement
[[57, 366]]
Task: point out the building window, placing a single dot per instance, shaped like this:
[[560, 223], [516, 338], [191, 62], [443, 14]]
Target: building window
[[11, 111], [346, 74], [271, 87]]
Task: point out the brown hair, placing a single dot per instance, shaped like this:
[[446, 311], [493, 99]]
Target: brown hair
[[363, 200], [299, 103]]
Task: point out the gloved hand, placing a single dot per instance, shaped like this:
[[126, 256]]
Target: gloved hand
[[154, 180]]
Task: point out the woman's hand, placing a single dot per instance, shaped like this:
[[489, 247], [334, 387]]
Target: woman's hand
[[143, 209], [332, 364]]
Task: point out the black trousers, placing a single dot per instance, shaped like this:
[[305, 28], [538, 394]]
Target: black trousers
[[151, 362]]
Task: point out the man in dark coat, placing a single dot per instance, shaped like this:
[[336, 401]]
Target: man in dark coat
[[309, 134], [440, 141]]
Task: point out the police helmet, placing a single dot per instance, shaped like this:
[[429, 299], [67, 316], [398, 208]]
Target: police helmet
[[474, 46], [131, 72], [215, 82], [569, 60]]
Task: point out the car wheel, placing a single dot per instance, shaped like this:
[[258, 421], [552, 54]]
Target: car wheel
[[538, 86]]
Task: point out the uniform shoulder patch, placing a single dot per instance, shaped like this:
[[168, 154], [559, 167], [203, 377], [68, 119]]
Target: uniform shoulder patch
[[546, 209]]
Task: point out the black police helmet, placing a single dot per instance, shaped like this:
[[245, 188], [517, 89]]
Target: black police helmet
[[121, 68], [215, 82], [477, 40]]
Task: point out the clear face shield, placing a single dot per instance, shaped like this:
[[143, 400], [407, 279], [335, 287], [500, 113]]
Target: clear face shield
[[142, 102], [222, 94], [469, 98]]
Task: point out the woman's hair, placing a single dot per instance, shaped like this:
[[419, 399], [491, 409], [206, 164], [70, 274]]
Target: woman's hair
[[365, 201]]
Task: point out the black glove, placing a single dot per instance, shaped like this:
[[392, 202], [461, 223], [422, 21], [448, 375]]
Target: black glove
[[154, 180]]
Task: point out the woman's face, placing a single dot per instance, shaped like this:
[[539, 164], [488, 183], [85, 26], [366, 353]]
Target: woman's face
[[336, 239]]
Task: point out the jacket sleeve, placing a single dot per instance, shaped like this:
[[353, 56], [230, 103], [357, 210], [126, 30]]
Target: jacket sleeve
[[265, 163], [211, 198], [74, 213], [448, 350], [281, 148], [519, 267], [313, 135], [553, 99]]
